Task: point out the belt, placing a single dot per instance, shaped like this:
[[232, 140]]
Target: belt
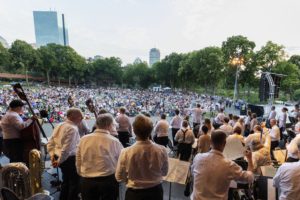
[[152, 189]]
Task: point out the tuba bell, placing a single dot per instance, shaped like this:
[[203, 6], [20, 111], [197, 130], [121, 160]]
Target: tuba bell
[[15, 176], [35, 171]]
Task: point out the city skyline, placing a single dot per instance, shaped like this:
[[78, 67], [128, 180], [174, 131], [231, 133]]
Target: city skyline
[[130, 28]]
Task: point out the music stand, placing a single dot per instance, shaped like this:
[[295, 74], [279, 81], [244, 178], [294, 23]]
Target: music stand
[[178, 172]]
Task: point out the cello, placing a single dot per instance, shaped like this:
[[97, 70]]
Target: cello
[[30, 135]]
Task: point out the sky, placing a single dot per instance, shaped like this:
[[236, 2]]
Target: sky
[[130, 28]]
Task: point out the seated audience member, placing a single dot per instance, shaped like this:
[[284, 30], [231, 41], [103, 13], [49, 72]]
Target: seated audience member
[[96, 161], [287, 179], [185, 138], [213, 173], [226, 127], [203, 142], [143, 165], [258, 134], [260, 154], [161, 131], [237, 134]]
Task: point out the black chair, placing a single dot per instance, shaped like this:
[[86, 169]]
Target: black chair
[[8, 194]]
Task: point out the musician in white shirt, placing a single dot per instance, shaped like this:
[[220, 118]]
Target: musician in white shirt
[[226, 127], [213, 173], [143, 165], [274, 134], [62, 150], [11, 125], [96, 161], [287, 179], [176, 125], [161, 131]]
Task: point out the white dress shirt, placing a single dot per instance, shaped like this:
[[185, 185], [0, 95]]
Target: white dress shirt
[[272, 114], [176, 122], [219, 119], [64, 141], [292, 148], [227, 129], [97, 154], [12, 124], [213, 174], [275, 133], [287, 179], [162, 128], [197, 115], [282, 120], [124, 123], [189, 136], [142, 165]]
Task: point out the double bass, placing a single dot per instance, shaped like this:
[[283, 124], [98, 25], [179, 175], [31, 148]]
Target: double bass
[[30, 135]]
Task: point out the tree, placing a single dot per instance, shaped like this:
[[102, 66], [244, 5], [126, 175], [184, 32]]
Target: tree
[[185, 71], [4, 58], [295, 59], [291, 81], [48, 59], [137, 74], [24, 57], [241, 48], [269, 55], [209, 67]]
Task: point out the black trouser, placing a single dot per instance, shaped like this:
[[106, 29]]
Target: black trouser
[[174, 131], [282, 129], [104, 188], [124, 138], [1, 145], [195, 124], [290, 159], [274, 144], [13, 149], [185, 151], [70, 184], [154, 193], [162, 140]]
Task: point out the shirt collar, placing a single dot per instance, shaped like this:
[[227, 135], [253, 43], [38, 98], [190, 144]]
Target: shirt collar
[[70, 122], [98, 130], [143, 142], [214, 151]]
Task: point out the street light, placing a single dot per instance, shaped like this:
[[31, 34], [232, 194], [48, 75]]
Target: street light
[[237, 61]]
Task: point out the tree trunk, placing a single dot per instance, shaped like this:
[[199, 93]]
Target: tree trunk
[[69, 80], [48, 77]]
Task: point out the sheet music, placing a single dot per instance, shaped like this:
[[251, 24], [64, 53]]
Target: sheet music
[[280, 155], [268, 171], [233, 149], [178, 171]]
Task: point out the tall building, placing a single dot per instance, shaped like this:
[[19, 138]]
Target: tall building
[[154, 56], [4, 42], [50, 28]]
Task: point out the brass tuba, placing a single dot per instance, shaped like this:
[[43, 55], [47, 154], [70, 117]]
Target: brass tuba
[[35, 171], [15, 176]]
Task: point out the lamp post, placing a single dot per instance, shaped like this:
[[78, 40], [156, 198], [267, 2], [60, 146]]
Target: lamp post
[[237, 61]]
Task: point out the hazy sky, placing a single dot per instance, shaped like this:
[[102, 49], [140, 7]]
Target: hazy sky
[[129, 28]]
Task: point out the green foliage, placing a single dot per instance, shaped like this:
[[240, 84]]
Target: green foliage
[[297, 94], [269, 55], [291, 80], [295, 59], [137, 75], [4, 58]]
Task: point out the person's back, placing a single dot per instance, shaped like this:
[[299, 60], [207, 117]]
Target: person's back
[[213, 173], [203, 142], [287, 179]]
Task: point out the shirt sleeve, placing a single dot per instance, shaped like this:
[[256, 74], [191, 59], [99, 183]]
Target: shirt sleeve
[[78, 158], [121, 174], [165, 164], [51, 142], [276, 178], [19, 123], [239, 175]]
